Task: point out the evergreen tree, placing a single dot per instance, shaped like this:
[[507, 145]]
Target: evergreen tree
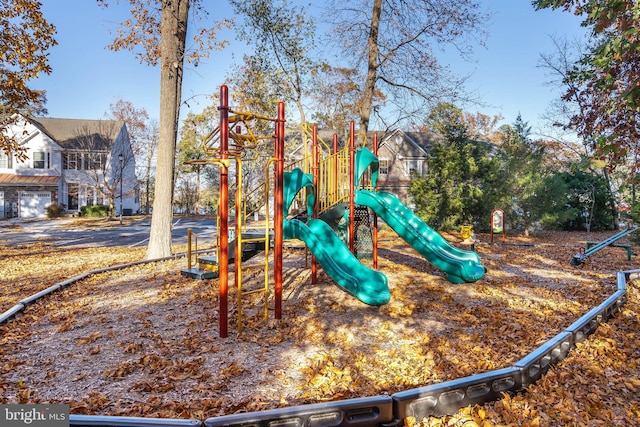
[[452, 193], [588, 195], [522, 160], [555, 211]]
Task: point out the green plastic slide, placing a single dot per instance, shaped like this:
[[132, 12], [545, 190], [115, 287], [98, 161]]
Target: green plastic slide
[[460, 265], [368, 285]]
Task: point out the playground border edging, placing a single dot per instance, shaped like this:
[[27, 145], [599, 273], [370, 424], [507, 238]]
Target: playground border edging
[[387, 411], [108, 421], [10, 313]]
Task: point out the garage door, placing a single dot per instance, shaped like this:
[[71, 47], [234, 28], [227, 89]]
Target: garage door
[[34, 204]]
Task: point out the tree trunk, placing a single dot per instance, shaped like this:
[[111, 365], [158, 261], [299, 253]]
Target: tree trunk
[[173, 32], [372, 67], [300, 105], [614, 209], [198, 172], [112, 207], [147, 181]]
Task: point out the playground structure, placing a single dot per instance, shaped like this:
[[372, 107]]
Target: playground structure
[[592, 247], [339, 183]]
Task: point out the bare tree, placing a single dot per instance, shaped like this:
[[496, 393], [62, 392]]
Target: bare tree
[[157, 33], [394, 44], [187, 194], [137, 120], [336, 96], [93, 161], [146, 165], [283, 36], [606, 80], [562, 64], [143, 133], [558, 65]]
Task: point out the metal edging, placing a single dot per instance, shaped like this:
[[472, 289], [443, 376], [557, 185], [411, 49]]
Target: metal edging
[[589, 322], [11, 312], [533, 366], [40, 294], [360, 412], [447, 397], [111, 421]]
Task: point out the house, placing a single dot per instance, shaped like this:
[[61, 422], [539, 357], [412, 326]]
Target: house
[[69, 162], [401, 156]]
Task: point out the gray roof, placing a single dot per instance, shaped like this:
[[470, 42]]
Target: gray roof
[[423, 139], [80, 133]]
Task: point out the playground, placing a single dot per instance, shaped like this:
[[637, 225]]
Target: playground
[[143, 341], [296, 315]]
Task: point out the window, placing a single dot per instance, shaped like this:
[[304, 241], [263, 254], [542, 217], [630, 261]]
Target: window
[[70, 160], [94, 161], [412, 167], [384, 166], [40, 160], [99, 161], [5, 161]]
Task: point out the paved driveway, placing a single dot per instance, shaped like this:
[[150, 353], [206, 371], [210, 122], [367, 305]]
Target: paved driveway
[[61, 232]]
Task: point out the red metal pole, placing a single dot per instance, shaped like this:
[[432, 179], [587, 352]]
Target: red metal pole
[[223, 209], [278, 208], [352, 170], [375, 217], [315, 169]]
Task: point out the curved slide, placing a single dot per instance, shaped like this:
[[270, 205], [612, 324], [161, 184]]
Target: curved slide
[[460, 265], [368, 285]]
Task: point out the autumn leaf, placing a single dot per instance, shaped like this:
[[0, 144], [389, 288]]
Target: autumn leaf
[[89, 339]]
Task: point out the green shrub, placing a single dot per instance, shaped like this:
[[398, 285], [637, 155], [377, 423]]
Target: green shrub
[[95, 211], [55, 211]]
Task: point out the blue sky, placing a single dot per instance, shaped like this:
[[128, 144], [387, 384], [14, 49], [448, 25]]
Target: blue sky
[[87, 77]]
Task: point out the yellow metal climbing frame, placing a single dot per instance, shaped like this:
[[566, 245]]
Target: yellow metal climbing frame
[[240, 145]]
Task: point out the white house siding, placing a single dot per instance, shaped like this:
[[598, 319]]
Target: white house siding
[[45, 140]]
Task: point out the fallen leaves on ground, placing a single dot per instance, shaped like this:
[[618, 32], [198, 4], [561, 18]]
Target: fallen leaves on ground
[[143, 341]]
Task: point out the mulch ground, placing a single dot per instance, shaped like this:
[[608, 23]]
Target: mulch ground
[[144, 341]]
